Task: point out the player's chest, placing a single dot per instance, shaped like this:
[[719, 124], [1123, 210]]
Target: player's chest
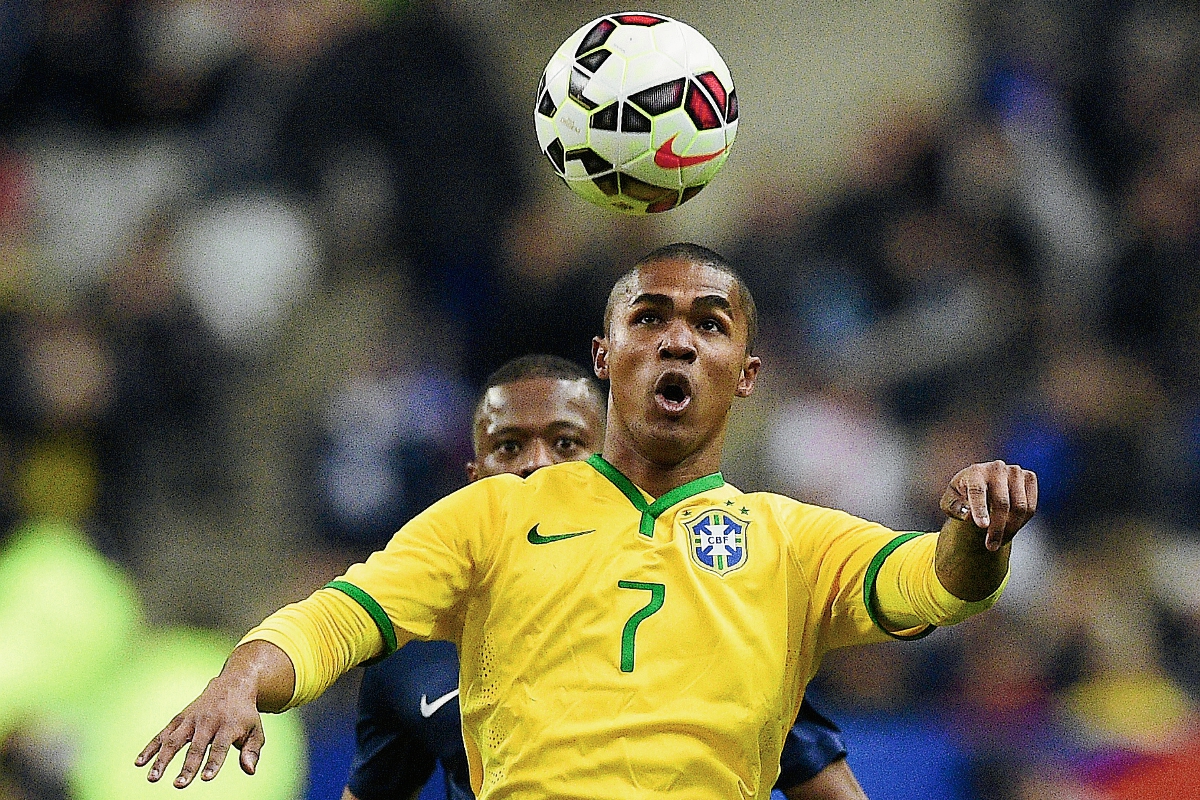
[[716, 548], [574, 594]]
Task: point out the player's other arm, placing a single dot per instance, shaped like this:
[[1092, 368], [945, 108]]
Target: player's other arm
[[404, 591], [258, 676], [835, 782], [292, 657], [813, 763]]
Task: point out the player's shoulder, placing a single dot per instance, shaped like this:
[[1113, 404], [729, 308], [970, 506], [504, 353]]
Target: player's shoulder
[[568, 475], [800, 517], [505, 490], [782, 504], [565, 472]]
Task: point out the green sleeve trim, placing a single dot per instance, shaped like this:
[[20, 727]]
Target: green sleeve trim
[[873, 575], [382, 620]]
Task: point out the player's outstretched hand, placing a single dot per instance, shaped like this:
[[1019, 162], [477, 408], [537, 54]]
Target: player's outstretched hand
[[224, 714], [996, 497], [257, 676]]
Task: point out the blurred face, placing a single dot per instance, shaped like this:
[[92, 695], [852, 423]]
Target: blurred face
[[533, 423], [675, 354]]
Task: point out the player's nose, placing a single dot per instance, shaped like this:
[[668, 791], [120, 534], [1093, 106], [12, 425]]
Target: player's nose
[[537, 454], [678, 341]]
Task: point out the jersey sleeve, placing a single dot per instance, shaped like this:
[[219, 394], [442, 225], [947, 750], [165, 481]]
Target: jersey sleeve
[[812, 744], [412, 589], [869, 583], [415, 587], [834, 550], [389, 762], [904, 591]]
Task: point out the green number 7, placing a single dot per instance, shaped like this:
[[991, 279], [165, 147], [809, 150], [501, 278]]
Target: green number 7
[[658, 593]]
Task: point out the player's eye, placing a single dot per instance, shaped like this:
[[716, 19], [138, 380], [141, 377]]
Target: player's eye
[[509, 447], [712, 325], [647, 318], [567, 444]]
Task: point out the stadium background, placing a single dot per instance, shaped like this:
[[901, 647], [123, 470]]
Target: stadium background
[[255, 257]]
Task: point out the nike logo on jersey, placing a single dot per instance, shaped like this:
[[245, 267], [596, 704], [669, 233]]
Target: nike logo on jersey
[[536, 538], [428, 709], [666, 158]]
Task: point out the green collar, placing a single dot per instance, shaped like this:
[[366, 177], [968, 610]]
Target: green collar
[[651, 511]]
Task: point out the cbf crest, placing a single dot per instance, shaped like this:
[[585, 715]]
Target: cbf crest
[[718, 540]]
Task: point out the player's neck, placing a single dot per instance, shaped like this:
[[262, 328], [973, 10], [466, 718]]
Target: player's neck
[[654, 473]]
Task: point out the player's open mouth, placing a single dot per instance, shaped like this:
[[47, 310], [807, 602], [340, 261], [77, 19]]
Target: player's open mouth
[[673, 393]]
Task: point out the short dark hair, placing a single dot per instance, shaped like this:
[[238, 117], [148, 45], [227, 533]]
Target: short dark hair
[[694, 253], [537, 365]]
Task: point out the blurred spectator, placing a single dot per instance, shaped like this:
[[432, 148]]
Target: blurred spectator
[[555, 282], [414, 97], [387, 451], [825, 448], [245, 262], [254, 254], [163, 431], [1096, 432], [895, 289]]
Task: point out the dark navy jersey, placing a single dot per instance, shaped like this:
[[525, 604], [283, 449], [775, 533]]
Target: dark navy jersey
[[812, 744], [408, 720]]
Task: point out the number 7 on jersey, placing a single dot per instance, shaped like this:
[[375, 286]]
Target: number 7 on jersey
[[658, 593]]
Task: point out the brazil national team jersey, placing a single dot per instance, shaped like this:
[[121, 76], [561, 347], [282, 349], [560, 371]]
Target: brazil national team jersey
[[408, 720], [613, 645]]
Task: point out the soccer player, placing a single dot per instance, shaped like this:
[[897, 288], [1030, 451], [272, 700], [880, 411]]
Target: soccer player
[[632, 625], [534, 411]]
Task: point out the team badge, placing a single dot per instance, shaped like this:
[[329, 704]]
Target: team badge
[[718, 540]]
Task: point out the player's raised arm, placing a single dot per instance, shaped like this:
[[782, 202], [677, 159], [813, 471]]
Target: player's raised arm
[[985, 504], [943, 579], [258, 676]]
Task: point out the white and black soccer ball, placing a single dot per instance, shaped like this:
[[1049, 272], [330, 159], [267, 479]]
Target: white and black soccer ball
[[636, 112]]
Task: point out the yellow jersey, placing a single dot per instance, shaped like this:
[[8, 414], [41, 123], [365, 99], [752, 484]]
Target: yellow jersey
[[613, 645]]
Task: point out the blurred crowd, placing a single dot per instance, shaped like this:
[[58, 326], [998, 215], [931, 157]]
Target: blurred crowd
[[256, 257]]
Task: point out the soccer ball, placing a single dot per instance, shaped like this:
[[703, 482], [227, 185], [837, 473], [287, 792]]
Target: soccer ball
[[636, 112]]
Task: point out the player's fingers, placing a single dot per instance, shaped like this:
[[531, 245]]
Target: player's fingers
[[1020, 512], [194, 757], [154, 744], [216, 755], [1031, 490], [953, 504], [252, 749], [999, 505], [977, 499], [169, 744]]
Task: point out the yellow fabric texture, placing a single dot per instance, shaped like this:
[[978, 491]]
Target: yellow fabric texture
[[910, 596], [550, 592], [324, 636]]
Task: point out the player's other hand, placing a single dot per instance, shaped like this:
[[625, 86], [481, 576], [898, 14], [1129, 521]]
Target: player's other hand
[[224, 714], [995, 497]]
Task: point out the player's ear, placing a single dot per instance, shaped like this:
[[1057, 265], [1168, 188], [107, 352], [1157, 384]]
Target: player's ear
[[745, 385], [600, 357], [472, 471]]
